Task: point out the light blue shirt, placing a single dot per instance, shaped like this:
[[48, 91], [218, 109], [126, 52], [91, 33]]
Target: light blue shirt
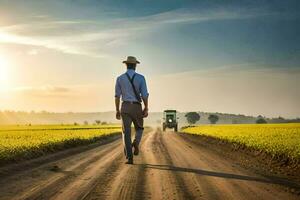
[[124, 88]]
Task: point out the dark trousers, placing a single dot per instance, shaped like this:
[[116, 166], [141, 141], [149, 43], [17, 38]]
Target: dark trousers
[[131, 113]]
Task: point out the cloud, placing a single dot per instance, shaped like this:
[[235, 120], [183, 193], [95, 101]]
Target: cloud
[[46, 91], [40, 16], [77, 98], [183, 16], [32, 52], [55, 43], [94, 37], [235, 70]]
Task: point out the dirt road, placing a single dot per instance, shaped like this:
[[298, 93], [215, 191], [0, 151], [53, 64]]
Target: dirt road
[[168, 167]]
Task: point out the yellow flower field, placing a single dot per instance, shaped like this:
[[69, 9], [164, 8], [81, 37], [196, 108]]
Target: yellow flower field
[[21, 142], [276, 139]]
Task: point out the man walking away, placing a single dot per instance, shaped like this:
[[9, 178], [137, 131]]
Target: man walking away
[[133, 89]]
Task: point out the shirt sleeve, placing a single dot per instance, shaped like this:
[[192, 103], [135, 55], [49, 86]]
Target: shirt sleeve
[[143, 89], [117, 88]]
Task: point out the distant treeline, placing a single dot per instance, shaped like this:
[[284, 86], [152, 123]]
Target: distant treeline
[[227, 118], [43, 117], [155, 118]]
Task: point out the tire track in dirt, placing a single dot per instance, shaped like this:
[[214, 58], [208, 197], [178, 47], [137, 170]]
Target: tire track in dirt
[[162, 184], [125, 182], [140, 181], [217, 177], [42, 183], [78, 188], [187, 162], [128, 184]]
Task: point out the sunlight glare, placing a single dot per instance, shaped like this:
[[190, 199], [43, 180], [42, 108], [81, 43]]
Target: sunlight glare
[[4, 73]]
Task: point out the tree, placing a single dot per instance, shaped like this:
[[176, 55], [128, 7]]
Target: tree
[[98, 122], [192, 117], [234, 121], [261, 121], [86, 123], [213, 118], [281, 118]]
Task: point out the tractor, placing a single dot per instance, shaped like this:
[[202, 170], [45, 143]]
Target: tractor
[[170, 120]]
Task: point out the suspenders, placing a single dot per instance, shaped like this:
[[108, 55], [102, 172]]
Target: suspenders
[[137, 96]]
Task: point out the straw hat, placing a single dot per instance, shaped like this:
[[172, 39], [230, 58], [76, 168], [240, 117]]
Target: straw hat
[[131, 59]]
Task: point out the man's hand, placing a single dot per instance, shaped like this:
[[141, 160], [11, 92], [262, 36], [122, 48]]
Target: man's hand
[[145, 112], [117, 102], [118, 115]]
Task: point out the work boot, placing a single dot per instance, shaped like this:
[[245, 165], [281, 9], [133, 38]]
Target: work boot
[[129, 161], [135, 148]]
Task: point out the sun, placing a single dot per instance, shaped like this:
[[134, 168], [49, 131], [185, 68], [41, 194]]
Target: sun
[[4, 73]]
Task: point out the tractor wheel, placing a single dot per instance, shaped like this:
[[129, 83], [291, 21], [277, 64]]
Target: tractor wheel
[[176, 128]]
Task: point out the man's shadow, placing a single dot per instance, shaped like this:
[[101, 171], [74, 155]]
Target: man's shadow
[[266, 179]]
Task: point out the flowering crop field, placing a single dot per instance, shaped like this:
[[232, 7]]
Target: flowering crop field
[[23, 142], [56, 127], [276, 139]]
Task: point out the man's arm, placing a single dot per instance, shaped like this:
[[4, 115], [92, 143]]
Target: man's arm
[[145, 96], [117, 103], [117, 99], [145, 111]]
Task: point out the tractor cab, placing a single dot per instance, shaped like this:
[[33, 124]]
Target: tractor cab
[[170, 120]]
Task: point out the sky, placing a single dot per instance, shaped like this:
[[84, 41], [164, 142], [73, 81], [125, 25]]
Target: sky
[[240, 57]]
